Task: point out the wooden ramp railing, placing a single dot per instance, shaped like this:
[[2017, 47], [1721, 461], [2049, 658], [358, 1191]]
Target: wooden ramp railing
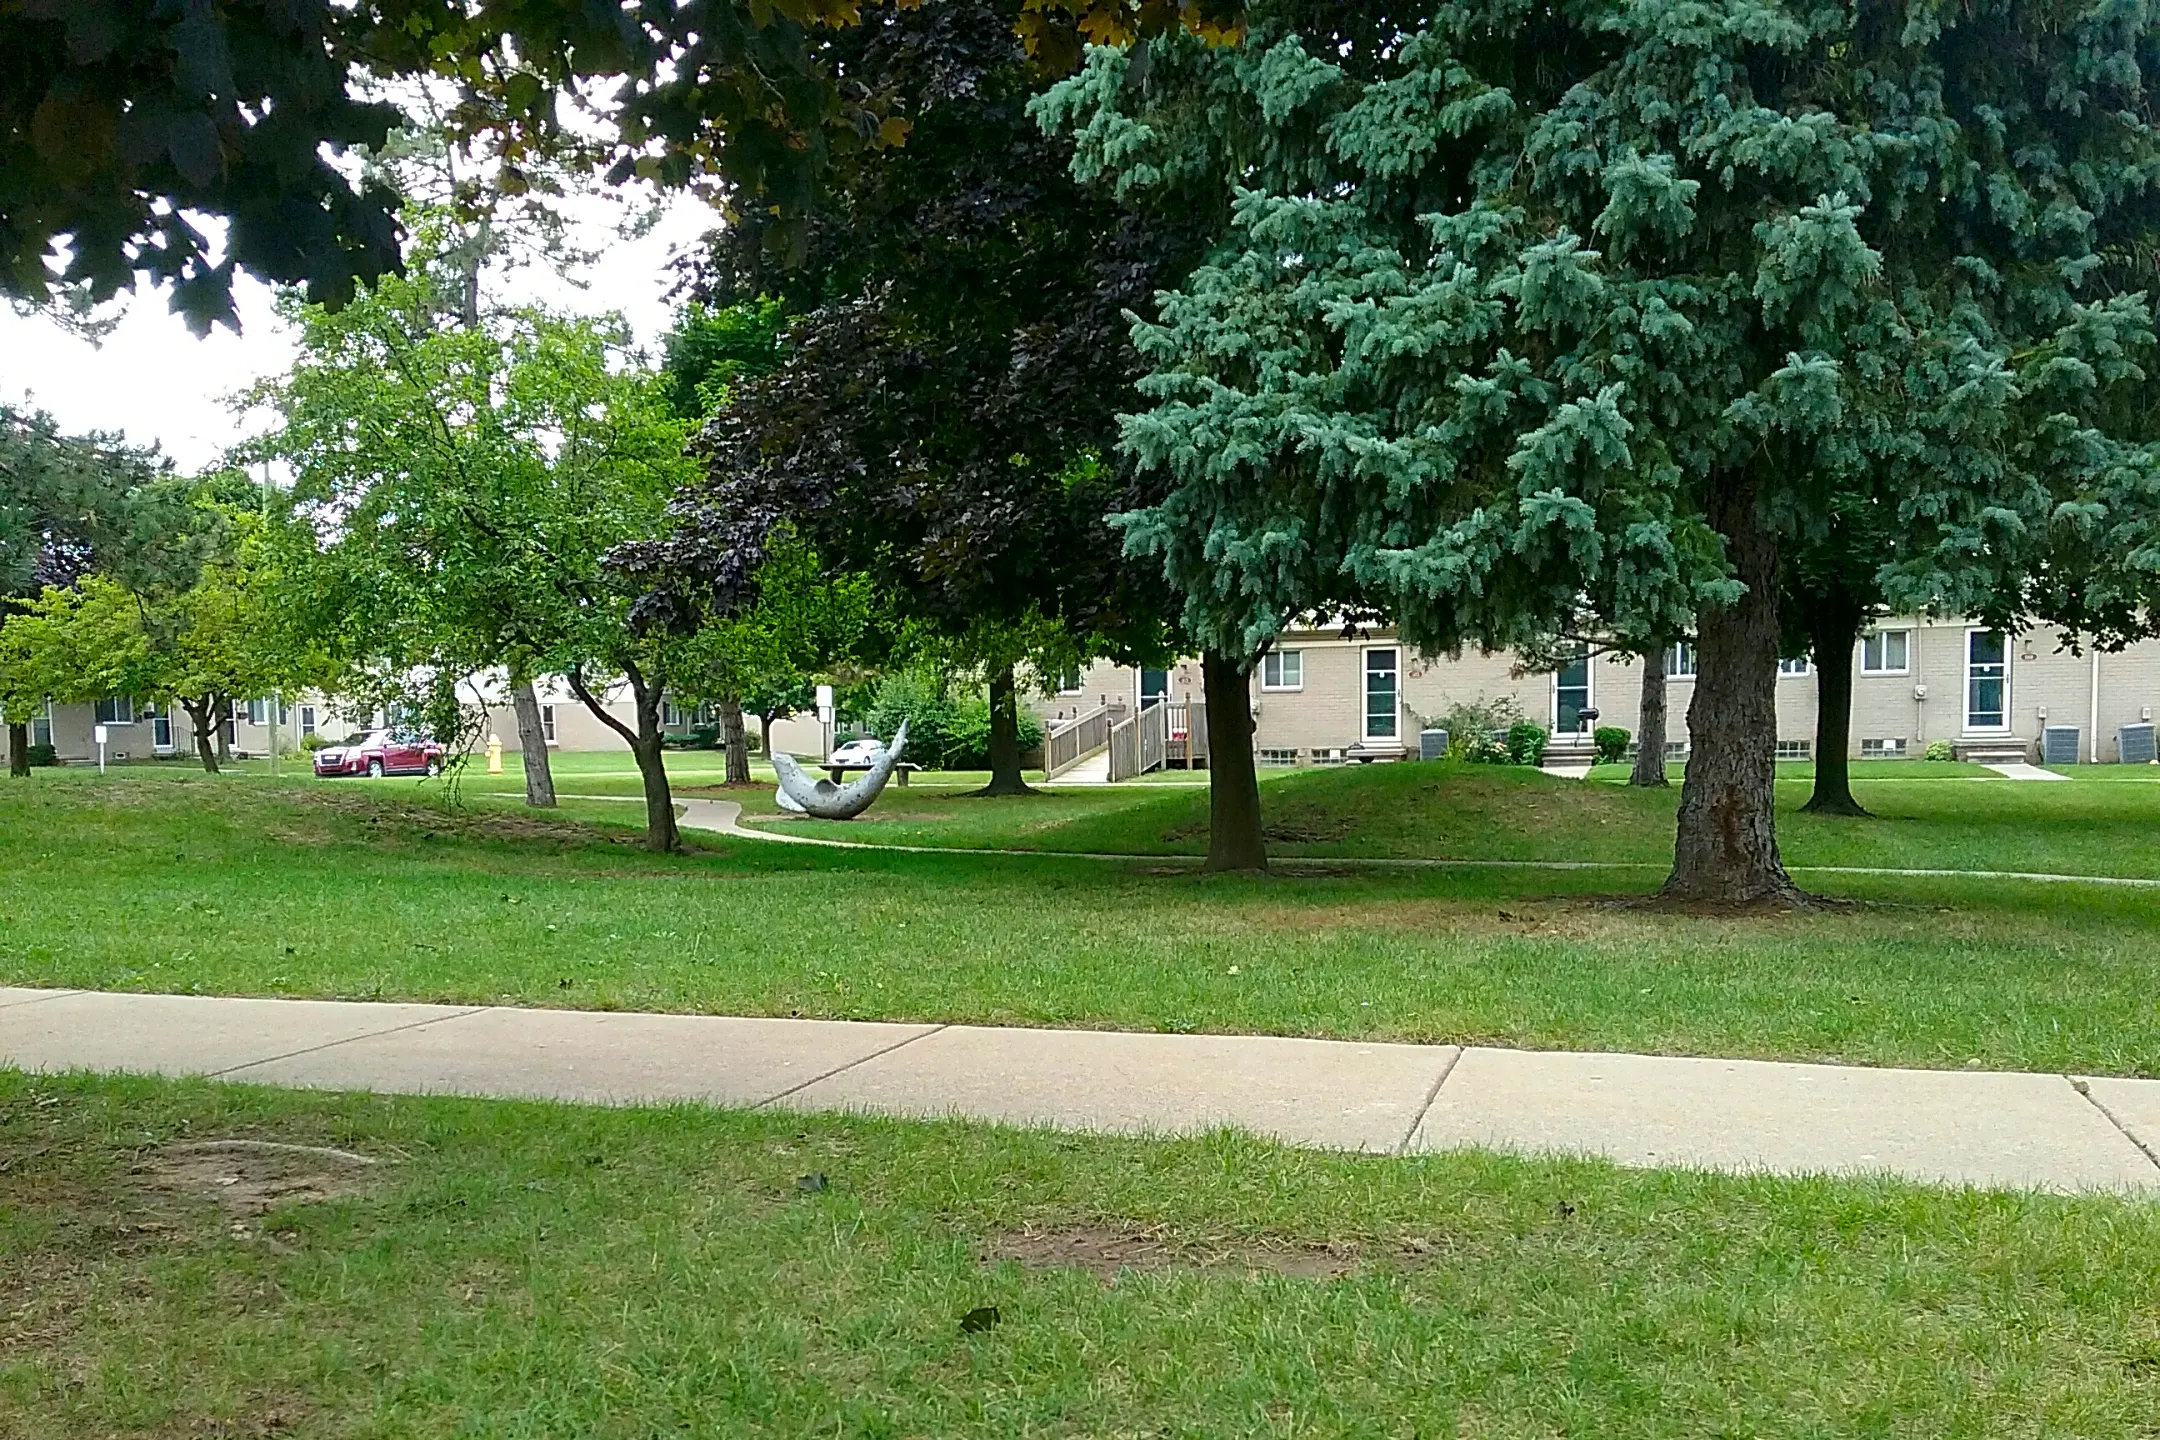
[[1167, 732], [1075, 740]]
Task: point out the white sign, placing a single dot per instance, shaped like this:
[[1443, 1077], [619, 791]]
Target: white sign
[[102, 735], [824, 714], [824, 697]]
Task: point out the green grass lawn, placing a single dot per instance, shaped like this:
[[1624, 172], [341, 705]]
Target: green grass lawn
[[529, 1270], [180, 883], [1503, 812]]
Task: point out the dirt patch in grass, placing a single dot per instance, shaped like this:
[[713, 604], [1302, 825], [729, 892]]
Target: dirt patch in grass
[[1107, 1252], [248, 1177]]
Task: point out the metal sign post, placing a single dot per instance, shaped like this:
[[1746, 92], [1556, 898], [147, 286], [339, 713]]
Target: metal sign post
[[102, 735], [825, 715]]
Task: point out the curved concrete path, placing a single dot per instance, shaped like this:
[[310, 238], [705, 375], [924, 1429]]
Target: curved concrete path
[[724, 817], [1961, 1127]]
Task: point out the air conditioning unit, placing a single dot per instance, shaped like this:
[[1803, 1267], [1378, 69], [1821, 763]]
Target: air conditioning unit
[[2059, 745], [2134, 744], [1432, 744]]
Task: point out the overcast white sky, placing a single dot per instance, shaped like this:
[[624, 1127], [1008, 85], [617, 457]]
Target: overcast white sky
[[153, 381]]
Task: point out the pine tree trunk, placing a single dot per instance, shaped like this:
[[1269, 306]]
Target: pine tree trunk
[[1235, 839], [1833, 626], [1650, 726], [660, 832], [18, 736], [1005, 776], [733, 740], [532, 745], [1726, 849], [199, 713]]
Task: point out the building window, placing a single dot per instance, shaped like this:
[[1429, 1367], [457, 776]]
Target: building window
[[41, 726], [1886, 652], [1792, 749], [1680, 662], [1070, 680], [1889, 749], [1798, 665], [547, 723], [1328, 757], [117, 710], [1278, 757], [1282, 670], [307, 719], [161, 730], [284, 714], [1381, 692], [258, 712], [1987, 673], [1571, 694]]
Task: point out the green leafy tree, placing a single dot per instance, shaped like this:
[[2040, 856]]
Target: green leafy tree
[[459, 489], [768, 655], [73, 505], [1527, 308], [70, 644], [122, 122]]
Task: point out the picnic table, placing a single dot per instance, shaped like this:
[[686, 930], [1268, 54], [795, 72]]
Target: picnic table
[[839, 771]]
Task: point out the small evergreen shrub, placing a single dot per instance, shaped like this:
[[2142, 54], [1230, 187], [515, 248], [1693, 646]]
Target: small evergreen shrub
[[312, 743], [1526, 743], [1611, 742], [1941, 750], [42, 756]]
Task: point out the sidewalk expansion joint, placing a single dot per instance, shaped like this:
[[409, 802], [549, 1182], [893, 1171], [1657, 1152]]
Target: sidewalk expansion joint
[[842, 1069], [2127, 1133], [348, 1040], [40, 998], [1430, 1096]]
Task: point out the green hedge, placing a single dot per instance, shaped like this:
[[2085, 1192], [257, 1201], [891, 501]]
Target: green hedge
[[946, 730]]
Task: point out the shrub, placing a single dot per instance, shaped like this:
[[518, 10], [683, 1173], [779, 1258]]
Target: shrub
[[697, 737], [1526, 743], [1611, 742], [44, 756], [945, 731], [312, 743], [1475, 728], [1941, 750]]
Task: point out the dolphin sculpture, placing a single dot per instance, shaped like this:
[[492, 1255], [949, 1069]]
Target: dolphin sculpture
[[823, 800]]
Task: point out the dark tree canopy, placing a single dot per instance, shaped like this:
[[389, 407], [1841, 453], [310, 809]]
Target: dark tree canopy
[[119, 119], [944, 420]]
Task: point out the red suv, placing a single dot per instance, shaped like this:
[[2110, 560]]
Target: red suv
[[381, 752]]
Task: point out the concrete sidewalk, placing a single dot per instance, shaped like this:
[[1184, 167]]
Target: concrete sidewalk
[[2048, 1132]]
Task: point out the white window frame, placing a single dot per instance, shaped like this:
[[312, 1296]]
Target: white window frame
[[258, 712], [547, 724], [41, 724], [1680, 661], [1072, 680], [1794, 668], [1879, 636], [1274, 660], [121, 710], [1965, 710], [1276, 759], [1365, 674], [1589, 689], [307, 719]]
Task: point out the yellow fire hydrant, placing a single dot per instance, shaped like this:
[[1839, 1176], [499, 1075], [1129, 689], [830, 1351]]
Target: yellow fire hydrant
[[494, 753]]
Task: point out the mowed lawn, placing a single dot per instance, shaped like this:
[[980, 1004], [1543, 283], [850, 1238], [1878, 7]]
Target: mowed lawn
[[528, 1270], [172, 882]]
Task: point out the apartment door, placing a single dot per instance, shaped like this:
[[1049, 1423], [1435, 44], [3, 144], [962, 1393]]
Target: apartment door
[[1571, 694], [1987, 680], [1383, 694], [1154, 687]]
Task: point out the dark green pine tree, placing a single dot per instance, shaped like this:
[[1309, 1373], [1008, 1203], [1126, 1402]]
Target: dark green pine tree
[[1534, 307]]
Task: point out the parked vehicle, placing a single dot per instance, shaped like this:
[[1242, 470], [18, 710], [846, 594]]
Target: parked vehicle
[[860, 751], [381, 752]]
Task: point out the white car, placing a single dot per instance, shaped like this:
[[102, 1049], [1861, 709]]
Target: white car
[[860, 751]]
